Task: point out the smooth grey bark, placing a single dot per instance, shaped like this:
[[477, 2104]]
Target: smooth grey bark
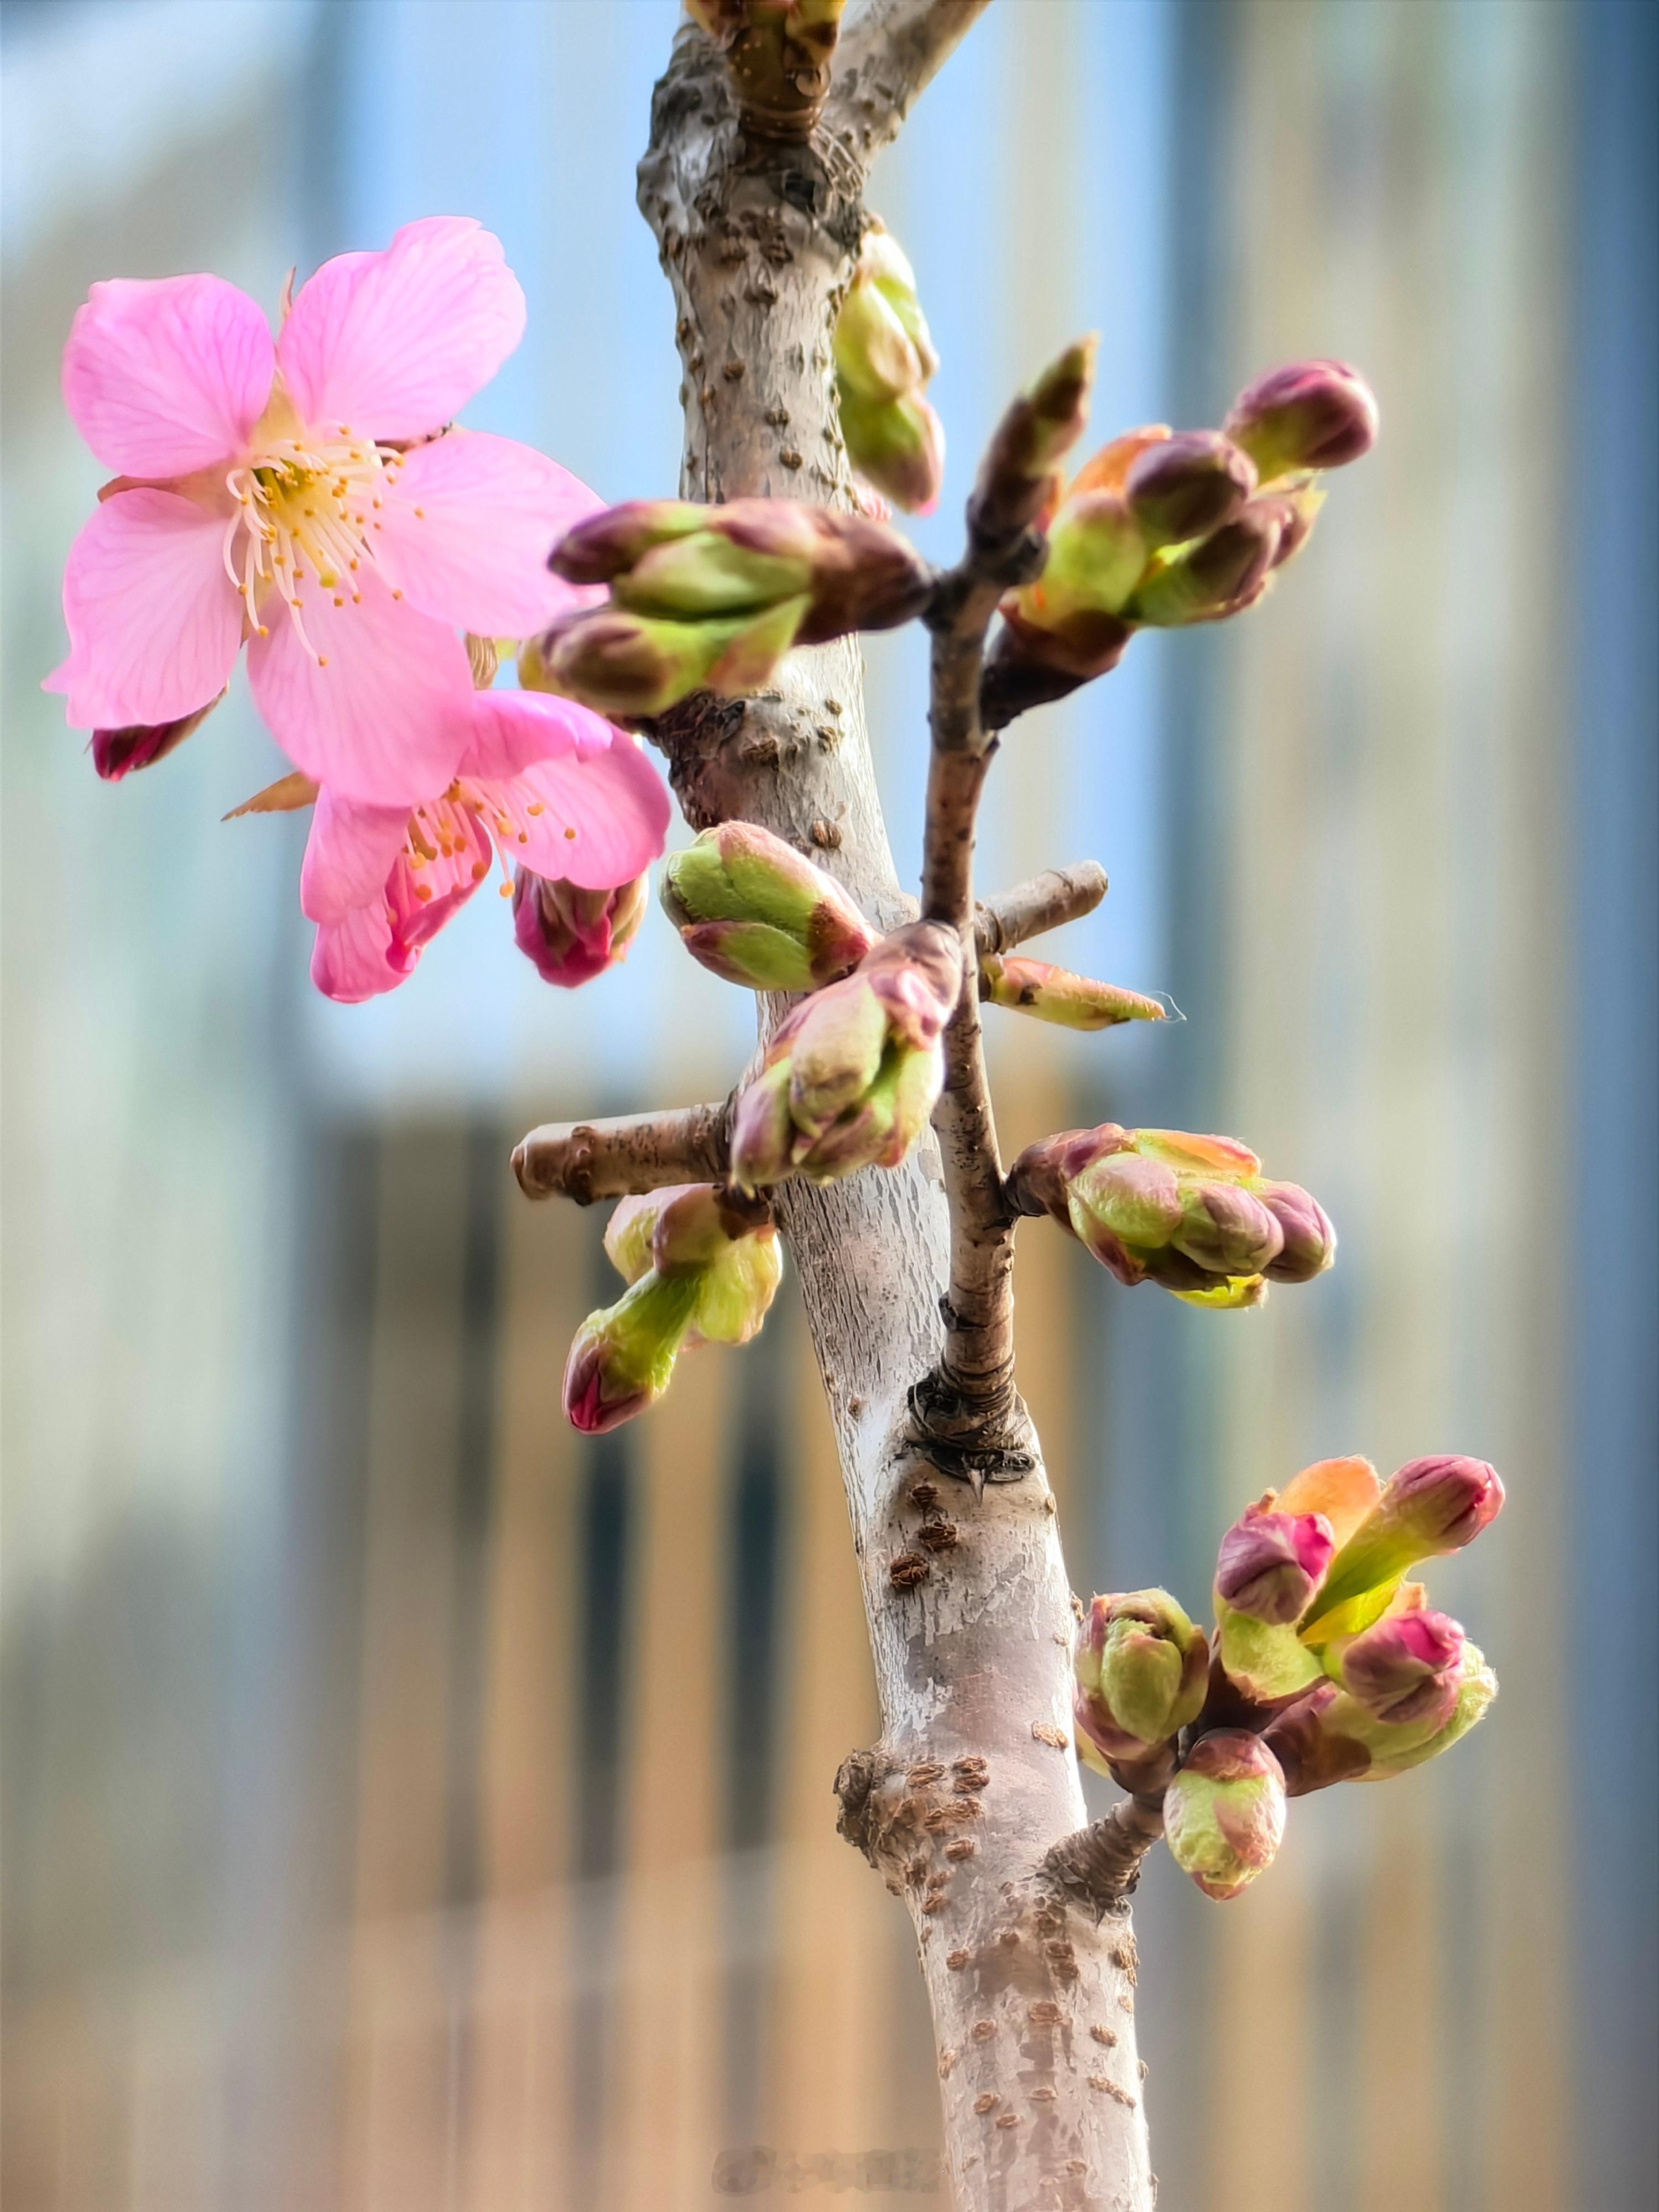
[[975, 1780]]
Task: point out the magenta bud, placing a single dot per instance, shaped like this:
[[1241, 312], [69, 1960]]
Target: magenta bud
[[1309, 415], [1226, 1230], [1223, 1813], [1187, 486], [573, 934], [1270, 1563], [1308, 1244], [117, 753], [1405, 1668]]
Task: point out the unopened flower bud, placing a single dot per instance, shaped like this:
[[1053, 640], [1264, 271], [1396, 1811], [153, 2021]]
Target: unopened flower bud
[[623, 1356], [713, 597], [1270, 1563], [116, 753], [1017, 481], [573, 934], [727, 1241], [1329, 1736], [1141, 1669], [1223, 1813], [1297, 506], [1159, 1205], [1309, 415], [1405, 1668], [1188, 487], [897, 445], [851, 1077], [1226, 1229], [1219, 575], [1054, 995], [1308, 1244], [753, 910], [1427, 1509]]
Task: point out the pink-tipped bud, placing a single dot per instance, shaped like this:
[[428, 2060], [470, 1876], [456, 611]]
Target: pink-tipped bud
[[624, 1358], [1223, 1813], [1141, 1669], [884, 359], [1017, 483], [1054, 995], [723, 1240], [1329, 1736], [1308, 1244], [1188, 487], [851, 1078], [755, 912], [1272, 1563], [117, 753], [1427, 1509], [897, 447], [1225, 1231], [1309, 415], [1405, 1668], [573, 934]]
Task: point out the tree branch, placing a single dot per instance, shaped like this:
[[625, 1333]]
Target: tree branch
[[588, 1160], [1100, 1863], [889, 51], [1032, 910]]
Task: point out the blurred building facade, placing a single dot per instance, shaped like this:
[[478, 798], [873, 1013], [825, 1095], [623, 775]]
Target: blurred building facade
[[409, 1804]]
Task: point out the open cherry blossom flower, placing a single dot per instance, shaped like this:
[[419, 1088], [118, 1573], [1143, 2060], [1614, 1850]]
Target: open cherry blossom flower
[[297, 495], [542, 780]]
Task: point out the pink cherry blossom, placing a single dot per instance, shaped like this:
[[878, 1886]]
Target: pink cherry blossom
[[541, 779], [297, 495]]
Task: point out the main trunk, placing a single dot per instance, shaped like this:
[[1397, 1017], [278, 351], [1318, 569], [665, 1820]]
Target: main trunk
[[967, 1596]]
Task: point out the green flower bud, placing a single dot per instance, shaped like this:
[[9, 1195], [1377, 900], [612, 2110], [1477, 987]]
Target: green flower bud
[[1054, 995], [753, 909], [725, 1242], [882, 347], [1217, 576], [851, 1075], [623, 1356], [1223, 1813], [897, 445], [1017, 483], [1141, 1669]]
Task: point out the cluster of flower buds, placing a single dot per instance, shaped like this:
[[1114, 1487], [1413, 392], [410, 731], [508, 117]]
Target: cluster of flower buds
[[703, 1264], [753, 910], [572, 934], [1162, 528], [712, 598], [1326, 1664], [884, 359], [1194, 1214], [1141, 1669], [852, 1076], [1309, 1583]]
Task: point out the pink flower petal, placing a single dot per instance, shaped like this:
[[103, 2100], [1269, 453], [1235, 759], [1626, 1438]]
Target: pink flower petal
[[394, 343], [351, 851], [386, 717], [154, 621], [468, 528], [512, 729], [168, 375], [615, 802], [352, 959]]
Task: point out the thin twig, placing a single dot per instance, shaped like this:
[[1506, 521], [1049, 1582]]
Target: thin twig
[[1100, 1863], [1032, 910], [588, 1160]]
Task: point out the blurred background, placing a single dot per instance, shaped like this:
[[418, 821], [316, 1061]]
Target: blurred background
[[409, 1805]]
